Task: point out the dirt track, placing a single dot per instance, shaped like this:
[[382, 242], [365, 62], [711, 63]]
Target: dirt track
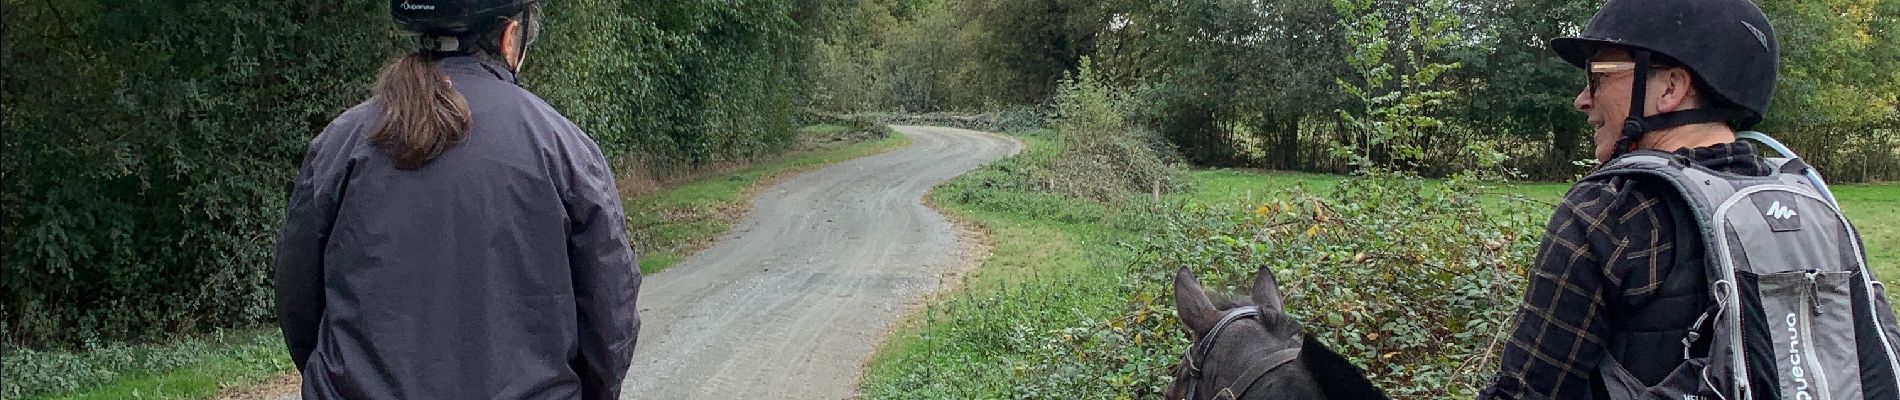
[[791, 302]]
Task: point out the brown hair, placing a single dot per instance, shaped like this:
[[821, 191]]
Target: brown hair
[[423, 114]]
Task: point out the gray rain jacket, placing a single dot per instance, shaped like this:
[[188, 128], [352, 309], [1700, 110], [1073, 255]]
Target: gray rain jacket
[[500, 270]]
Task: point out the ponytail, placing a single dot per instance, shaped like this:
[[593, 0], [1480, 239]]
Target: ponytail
[[423, 114]]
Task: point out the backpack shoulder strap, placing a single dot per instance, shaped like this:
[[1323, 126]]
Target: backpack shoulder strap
[[1701, 189]]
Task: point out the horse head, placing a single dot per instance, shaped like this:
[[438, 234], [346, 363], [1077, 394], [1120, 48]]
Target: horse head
[[1251, 349]]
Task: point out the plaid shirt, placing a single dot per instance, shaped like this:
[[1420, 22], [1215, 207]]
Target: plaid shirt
[[1607, 247]]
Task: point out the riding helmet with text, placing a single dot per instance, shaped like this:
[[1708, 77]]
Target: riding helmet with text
[[454, 25]]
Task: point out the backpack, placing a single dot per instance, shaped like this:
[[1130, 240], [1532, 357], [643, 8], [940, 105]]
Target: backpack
[[1795, 312]]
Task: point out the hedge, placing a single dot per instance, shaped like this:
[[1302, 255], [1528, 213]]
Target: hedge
[[149, 145]]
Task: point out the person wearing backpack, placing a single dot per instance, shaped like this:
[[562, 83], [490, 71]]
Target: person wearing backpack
[[1691, 266], [455, 237]]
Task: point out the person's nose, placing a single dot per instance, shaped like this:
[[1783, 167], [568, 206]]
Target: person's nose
[[1584, 101]]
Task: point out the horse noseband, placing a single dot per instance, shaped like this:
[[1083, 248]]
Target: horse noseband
[[1199, 350]]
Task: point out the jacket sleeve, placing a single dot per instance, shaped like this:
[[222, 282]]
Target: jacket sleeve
[[605, 273], [309, 215], [1600, 241]]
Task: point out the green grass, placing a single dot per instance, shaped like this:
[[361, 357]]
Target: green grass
[[825, 131], [1041, 275], [671, 224], [1025, 250], [1875, 211], [190, 368], [239, 366], [1217, 186]]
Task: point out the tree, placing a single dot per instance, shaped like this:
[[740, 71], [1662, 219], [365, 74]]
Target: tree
[[1515, 87], [1399, 81], [1838, 89], [1219, 72]]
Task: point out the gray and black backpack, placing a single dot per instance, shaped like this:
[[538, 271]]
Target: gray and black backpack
[[1792, 310]]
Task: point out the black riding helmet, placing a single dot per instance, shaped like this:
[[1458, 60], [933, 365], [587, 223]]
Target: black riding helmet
[[1727, 45], [463, 20]]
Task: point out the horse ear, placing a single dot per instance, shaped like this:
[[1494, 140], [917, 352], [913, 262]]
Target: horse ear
[[1266, 290], [1193, 306]]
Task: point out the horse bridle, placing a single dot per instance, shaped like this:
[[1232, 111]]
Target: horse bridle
[[1197, 353]]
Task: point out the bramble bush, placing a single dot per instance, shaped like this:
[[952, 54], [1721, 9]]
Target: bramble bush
[[1412, 282]]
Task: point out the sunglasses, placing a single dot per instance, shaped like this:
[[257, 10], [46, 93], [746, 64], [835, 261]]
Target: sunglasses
[[1600, 70]]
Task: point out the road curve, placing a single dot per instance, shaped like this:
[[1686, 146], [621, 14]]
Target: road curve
[[792, 301]]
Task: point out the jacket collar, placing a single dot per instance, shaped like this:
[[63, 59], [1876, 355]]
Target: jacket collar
[[1737, 157], [472, 65]]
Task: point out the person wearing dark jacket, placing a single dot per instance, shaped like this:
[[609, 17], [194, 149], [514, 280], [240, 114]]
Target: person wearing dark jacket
[[1614, 277], [454, 237]]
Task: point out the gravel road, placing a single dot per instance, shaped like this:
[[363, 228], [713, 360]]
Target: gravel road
[[791, 302]]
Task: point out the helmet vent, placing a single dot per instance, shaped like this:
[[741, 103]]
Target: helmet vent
[[1759, 37]]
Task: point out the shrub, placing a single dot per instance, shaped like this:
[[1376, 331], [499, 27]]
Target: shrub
[[148, 152], [1102, 156]]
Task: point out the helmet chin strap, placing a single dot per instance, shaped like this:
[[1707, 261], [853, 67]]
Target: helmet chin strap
[[521, 50], [1636, 124]]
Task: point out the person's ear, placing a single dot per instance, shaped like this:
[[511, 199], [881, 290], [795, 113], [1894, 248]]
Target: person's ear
[[511, 44], [1678, 91]]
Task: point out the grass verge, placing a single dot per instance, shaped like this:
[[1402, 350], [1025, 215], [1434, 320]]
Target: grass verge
[[670, 224], [191, 368], [1054, 263]]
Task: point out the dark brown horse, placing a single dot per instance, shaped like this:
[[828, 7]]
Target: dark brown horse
[[1256, 351]]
